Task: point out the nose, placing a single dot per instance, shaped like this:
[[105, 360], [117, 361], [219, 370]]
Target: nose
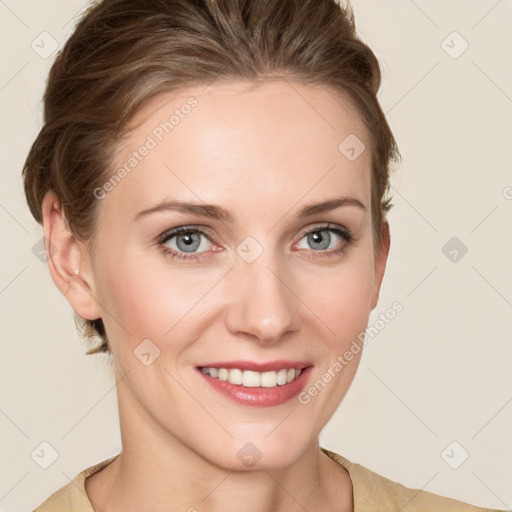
[[262, 303]]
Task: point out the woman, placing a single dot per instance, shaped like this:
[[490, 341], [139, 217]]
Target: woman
[[213, 179]]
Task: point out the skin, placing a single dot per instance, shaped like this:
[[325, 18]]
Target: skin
[[262, 153]]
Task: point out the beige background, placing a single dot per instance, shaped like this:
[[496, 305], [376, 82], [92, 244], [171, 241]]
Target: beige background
[[439, 372]]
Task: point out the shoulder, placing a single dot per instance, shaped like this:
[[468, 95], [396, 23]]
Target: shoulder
[[72, 497], [375, 492], [67, 498]]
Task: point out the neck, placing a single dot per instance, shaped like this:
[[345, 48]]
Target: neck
[[156, 471]]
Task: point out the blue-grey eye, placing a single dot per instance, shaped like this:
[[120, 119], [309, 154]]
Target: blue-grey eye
[[322, 239], [188, 241], [319, 240]]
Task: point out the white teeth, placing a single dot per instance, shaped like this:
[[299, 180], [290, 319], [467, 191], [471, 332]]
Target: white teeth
[[268, 379], [282, 377], [251, 379], [235, 376]]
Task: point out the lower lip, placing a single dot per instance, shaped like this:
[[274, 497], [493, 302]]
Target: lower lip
[[259, 397]]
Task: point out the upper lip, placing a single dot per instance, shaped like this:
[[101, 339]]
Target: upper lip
[[258, 367]]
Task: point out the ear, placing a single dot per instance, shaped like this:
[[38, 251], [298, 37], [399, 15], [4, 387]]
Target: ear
[[381, 259], [68, 260]]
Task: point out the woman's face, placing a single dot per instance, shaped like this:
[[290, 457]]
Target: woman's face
[[266, 278]]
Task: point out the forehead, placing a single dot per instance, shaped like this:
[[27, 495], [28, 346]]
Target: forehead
[[243, 144]]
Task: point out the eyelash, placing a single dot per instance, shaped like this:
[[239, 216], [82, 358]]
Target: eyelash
[[167, 235]]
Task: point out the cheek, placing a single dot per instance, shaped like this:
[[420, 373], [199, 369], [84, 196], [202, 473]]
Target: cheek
[[144, 298], [341, 297]]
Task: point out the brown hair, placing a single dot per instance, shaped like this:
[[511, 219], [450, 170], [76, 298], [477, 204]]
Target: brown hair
[[124, 52]]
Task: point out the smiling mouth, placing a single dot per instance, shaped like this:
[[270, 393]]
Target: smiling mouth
[[253, 379]]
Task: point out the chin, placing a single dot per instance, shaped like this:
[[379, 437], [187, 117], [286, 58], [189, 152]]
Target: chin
[[258, 452]]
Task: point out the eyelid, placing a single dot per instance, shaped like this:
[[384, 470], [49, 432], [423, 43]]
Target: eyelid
[[324, 225], [167, 234]]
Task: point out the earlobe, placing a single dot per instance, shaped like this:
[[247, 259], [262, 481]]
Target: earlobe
[[380, 263], [67, 260]]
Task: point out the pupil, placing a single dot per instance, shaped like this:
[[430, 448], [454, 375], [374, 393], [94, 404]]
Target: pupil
[[320, 239]]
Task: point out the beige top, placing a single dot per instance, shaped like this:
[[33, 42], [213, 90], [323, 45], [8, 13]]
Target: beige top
[[372, 492]]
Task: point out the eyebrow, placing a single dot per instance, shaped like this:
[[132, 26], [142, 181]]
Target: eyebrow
[[218, 213]]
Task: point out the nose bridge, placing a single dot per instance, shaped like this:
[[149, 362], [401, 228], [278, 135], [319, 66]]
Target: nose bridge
[[261, 303]]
